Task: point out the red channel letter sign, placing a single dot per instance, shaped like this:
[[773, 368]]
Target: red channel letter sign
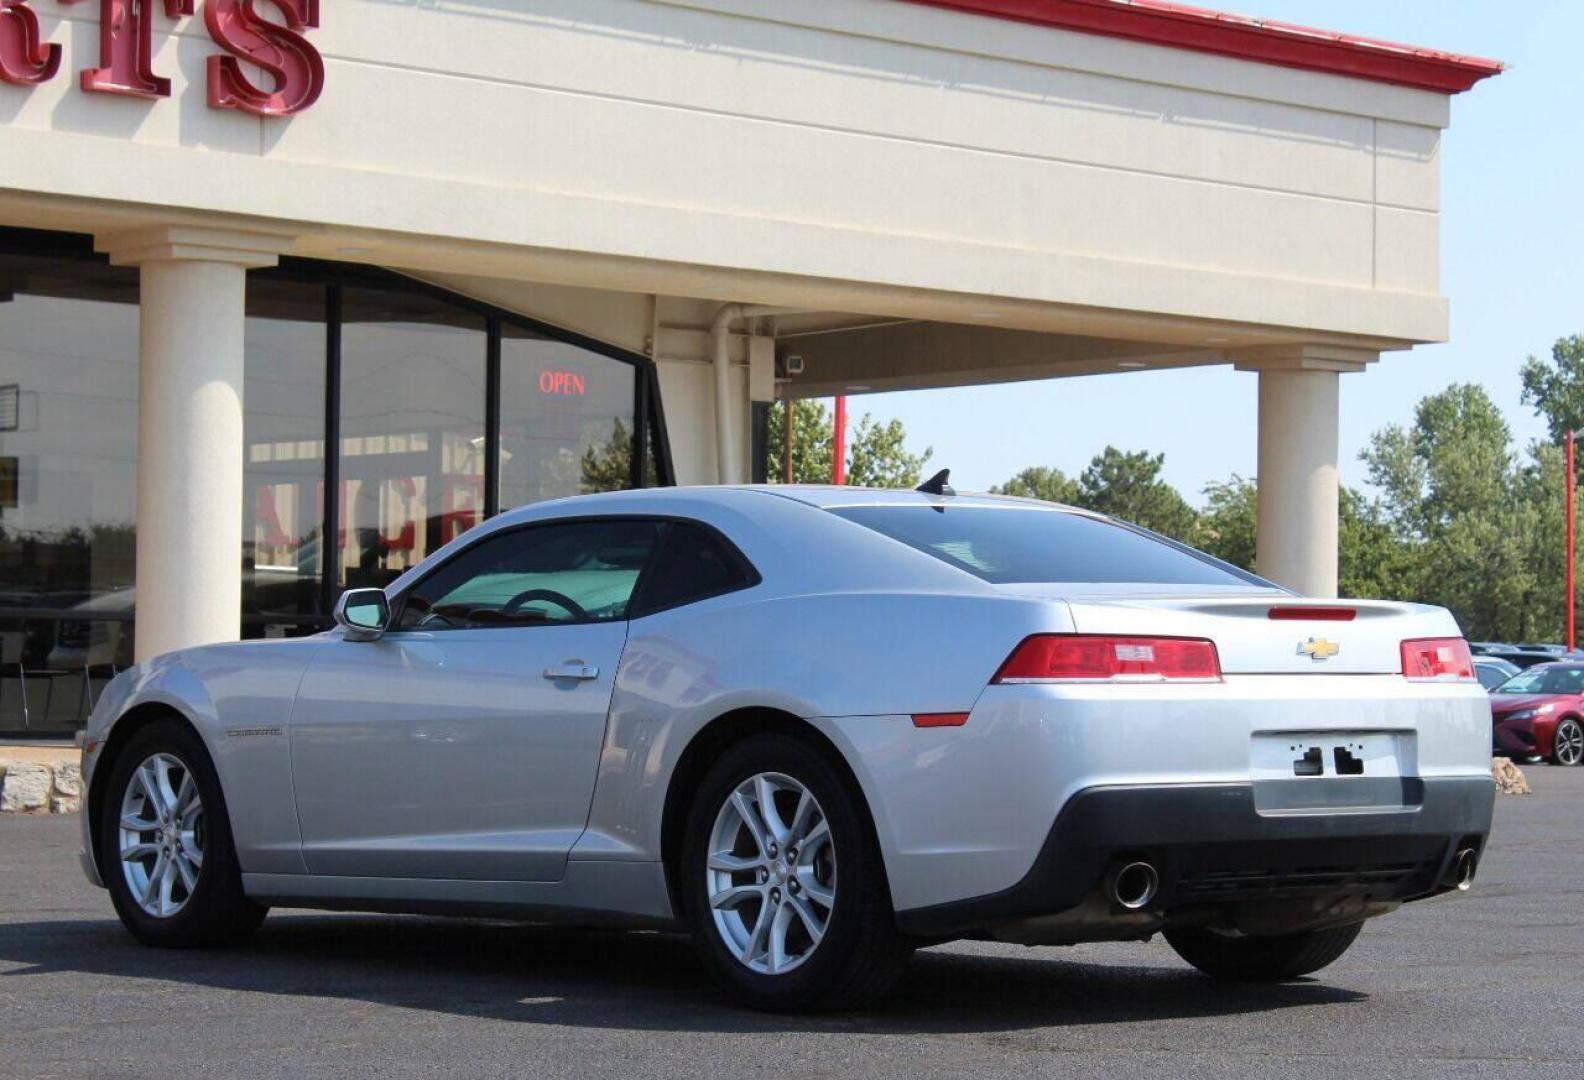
[[126, 52]]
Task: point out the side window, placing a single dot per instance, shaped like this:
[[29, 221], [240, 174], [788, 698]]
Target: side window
[[693, 563], [573, 572]]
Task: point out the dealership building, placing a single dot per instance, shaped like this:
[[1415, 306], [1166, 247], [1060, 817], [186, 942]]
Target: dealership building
[[291, 297]]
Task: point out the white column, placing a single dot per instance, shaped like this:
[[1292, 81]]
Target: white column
[[190, 381], [1298, 487]]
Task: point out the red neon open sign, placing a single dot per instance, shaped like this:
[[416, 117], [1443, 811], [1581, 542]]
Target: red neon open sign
[[562, 384]]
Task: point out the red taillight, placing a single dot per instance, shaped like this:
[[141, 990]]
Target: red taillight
[[1437, 658], [1061, 657], [1315, 614]]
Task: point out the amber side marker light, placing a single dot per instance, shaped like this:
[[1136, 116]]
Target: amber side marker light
[[940, 719]]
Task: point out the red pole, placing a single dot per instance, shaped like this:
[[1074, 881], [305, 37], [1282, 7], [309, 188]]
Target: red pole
[[839, 444], [1570, 541]]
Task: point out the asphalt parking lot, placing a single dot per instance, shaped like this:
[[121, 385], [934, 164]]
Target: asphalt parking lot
[[1491, 983]]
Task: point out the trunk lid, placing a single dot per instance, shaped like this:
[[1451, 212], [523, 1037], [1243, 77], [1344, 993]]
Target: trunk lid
[[1250, 641]]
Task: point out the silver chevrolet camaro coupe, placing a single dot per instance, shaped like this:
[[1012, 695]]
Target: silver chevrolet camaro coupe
[[817, 728]]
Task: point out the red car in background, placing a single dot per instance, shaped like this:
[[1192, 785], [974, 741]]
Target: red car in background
[[1540, 712]]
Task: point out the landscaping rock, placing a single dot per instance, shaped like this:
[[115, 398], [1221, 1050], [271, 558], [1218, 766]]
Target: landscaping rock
[[1509, 778], [68, 779], [26, 789], [65, 804]]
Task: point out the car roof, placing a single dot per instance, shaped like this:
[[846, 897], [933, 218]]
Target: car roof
[[743, 496], [830, 497]]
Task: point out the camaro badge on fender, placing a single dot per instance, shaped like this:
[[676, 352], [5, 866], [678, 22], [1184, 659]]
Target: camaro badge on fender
[[1318, 648]]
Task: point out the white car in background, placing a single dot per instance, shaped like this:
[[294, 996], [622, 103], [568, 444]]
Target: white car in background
[[817, 727]]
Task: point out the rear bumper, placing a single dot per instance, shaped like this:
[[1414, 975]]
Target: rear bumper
[[1215, 851], [964, 812]]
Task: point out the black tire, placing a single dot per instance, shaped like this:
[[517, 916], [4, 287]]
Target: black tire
[[862, 954], [1261, 959], [216, 912], [1570, 754]]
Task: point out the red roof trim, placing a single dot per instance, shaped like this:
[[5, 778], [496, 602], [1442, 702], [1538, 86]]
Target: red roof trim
[[1246, 38]]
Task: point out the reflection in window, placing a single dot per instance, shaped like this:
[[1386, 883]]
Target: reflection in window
[[412, 430], [411, 459], [283, 508], [566, 420], [68, 479]]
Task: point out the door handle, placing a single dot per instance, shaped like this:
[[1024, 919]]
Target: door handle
[[572, 669]]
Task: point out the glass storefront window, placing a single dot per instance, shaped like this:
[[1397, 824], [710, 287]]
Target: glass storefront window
[[410, 473], [68, 481], [413, 374], [566, 419], [283, 484]]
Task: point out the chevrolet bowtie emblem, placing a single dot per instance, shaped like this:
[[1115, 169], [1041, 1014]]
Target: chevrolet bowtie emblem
[[1318, 649]]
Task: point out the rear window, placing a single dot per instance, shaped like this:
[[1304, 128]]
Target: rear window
[[1012, 544]]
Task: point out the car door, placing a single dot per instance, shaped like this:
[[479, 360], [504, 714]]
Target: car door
[[463, 743]]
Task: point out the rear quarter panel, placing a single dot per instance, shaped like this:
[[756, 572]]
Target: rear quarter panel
[[840, 654]]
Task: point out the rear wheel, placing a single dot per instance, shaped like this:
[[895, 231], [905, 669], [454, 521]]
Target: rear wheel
[[782, 881], [1261, 959], [165, 843], [1567, 743]]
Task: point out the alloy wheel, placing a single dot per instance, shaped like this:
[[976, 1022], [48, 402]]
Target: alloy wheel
[[161, 835], [771, 873], [1569, 743]]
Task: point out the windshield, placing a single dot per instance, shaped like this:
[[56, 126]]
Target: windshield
[[1011, 544], [1546, 679]]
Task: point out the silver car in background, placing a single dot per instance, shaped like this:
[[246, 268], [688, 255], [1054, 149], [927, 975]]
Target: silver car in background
[[817, 728]]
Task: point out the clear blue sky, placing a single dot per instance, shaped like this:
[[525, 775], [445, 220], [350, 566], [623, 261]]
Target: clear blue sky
[[1512, 262]]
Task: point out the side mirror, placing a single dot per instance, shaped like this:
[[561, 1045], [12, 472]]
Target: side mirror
[[363, 613]]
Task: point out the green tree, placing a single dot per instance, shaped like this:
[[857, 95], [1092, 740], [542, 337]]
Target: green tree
[[877, 453], [1452, 499], [1040, 482], [1556, 388], [608, 466], [877, 456], [1230, 522], [1128, 486], [812, 432], [1371, 562], [1540, 491]]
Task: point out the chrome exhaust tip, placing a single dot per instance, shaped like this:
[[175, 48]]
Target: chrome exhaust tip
[[1464, 868], [1135, 885]]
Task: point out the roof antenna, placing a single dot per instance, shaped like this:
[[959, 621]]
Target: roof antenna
[[937, 485]]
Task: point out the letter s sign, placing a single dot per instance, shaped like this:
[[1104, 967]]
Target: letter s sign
[[295, 65]]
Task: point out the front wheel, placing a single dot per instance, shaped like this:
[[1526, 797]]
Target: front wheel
[[1261, 959], [165, 843], [1567, 743], [782, 881]]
